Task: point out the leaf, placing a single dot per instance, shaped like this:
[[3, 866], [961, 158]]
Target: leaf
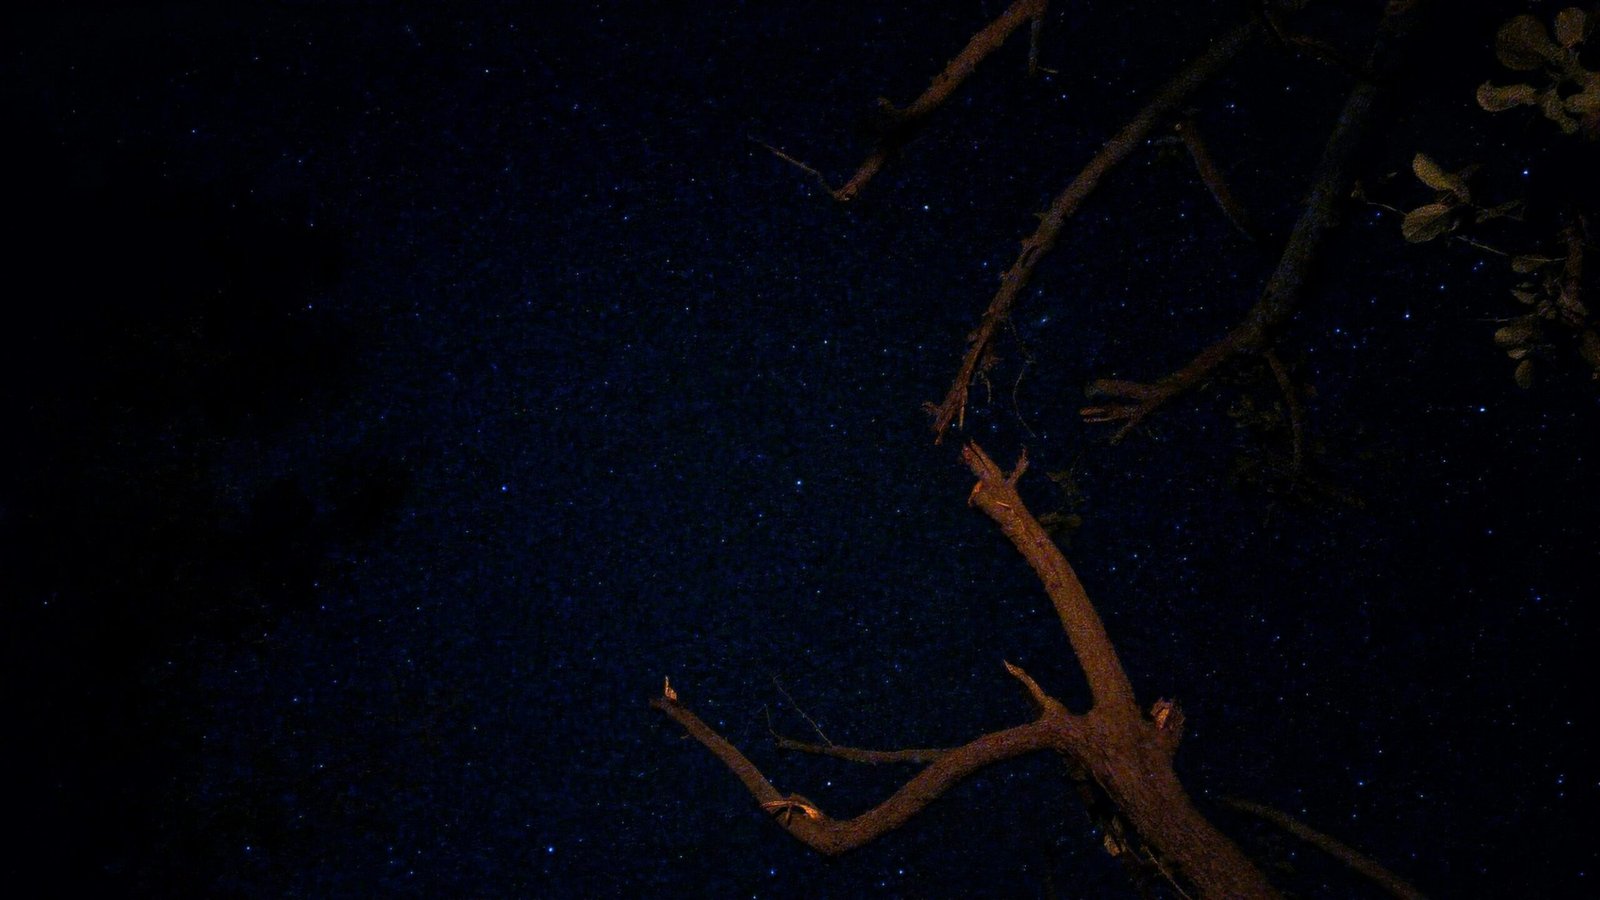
[[1499, 98], [1427, 222], [1555, 110], [1569, 27], [1529, 263], [1437, 178], [1589, 347], [1586, 103], [1570, 304], [1524, 374], [1527, 297], [1520, 332], [1523, 44]]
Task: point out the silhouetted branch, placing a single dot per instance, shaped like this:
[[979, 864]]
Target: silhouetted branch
[[1319, 50], [1291, 401], [1211, 175], [1576, 234], [1346, 854], [902, 124], [979, 355], [1034, 31], [1133, 402]]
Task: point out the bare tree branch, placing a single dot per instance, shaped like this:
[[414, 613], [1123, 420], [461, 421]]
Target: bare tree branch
[[979, 355], [904, 123], [1133, 402], [900, 125], [832, 836], [1211, 175], [859, 755], [1127, 754], [996, 494], [1344, 853], [1291, 401], [1044, 702]]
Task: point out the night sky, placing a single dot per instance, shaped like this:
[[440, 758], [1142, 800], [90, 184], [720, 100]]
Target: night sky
[[396, 392]]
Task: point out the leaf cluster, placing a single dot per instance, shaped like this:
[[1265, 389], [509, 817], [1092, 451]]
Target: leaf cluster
[[1554, 307], [1547, 287], [1550, 286], [1569, 93], [1452, 205]]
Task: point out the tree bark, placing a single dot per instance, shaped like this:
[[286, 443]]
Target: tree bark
[[1128, 754]]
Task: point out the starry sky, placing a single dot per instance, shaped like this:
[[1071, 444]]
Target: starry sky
[[397, 392]]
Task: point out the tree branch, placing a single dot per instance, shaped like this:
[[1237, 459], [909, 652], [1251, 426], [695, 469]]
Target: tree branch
[[996, 494], [1133, 402], [979, 354], [833, 836], [1291, 401], [1344, 853], [1127, 754], [903, 124], [1211, 175], [1042, 701], [859, 755]]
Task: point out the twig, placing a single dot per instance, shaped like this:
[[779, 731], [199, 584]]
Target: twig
[[1291, 401], [1034, 32], [1016, 386], [821, 179], [1318, 50], [814, 726], [1470, 242], [859, 755]]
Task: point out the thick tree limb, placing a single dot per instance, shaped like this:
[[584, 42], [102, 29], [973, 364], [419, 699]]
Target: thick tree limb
[[979, 355], [1133, 402], [1127, 754], [1125, 758], [996, 494], [1344, 853], [833, 836]]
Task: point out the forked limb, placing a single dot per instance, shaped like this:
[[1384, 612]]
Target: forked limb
[[1131, 403], [980, 354], [1127, 752], [807, 822]]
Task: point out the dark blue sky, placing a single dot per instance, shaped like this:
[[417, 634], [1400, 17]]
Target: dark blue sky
[[398, 392]]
